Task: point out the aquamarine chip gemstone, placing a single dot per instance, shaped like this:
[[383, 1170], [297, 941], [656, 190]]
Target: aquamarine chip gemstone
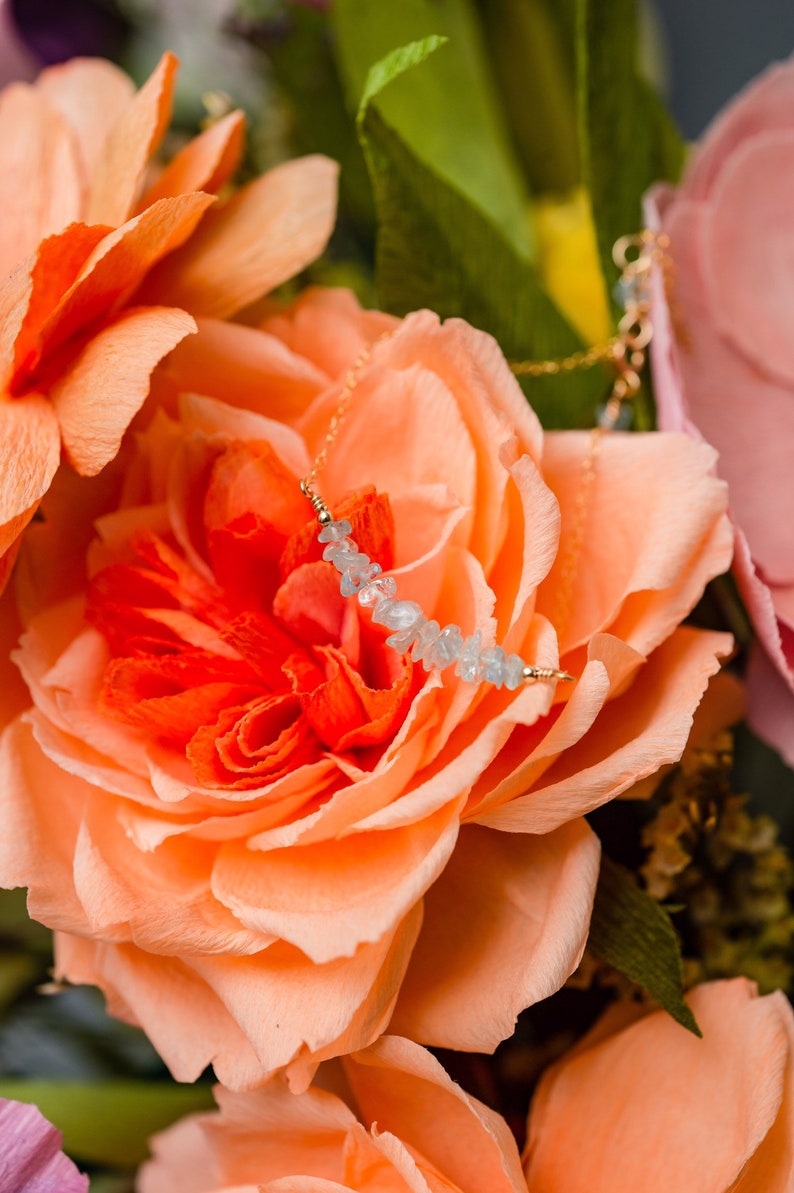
[[344, 544], [334, 531], [356, 577], [349, 559], [397, 615], [427, 636], [376, 590], [402, 640], [492, 665], [514, 672], [468, 665], [445, 650]]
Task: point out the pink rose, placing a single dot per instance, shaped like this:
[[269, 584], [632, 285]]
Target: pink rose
[[723, 356]]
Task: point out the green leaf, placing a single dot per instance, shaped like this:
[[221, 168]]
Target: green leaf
[[394, 64], [634, 935], [627, 139], [305, 70], [436, 249], [109, 1122], [532, 46], [448, 115]]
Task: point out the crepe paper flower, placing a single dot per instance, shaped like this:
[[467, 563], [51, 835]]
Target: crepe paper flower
[[31, 1160], [723, 360], [104, 266], [402, 1124], [276, 835], [641, 1104]]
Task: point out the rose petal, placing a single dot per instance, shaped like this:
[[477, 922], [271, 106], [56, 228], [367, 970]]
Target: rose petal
[[770, 704], [750, 279], [632, 737], [491, 947], [30, 450], [328, 898], [116, 266], [37, 152], [31, 1160], [97, 396], [764, 105], [300, 1010], [706, 1107], [405, 1091], [262, 236], [279, 1132], [68, 84], [129, 145], [204, 164], [663, 541], [327, 327], [246, 368]]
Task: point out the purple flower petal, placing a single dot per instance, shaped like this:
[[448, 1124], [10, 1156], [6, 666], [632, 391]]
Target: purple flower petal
[[31, 1160]]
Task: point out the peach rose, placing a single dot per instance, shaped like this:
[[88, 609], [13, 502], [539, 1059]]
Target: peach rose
[[105, 265], [723, 359], [275, 835], [641, 1104], [404, 1136]]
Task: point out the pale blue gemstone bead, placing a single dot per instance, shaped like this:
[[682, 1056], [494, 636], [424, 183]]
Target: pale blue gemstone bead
[[425, 639], [468, 665], [609, 422], [349, 559], [492, 665], [334, 531], [370, 594], [445, 650], [356, 577], [403, 640], [396, 615], [344, 544], [514, 672]]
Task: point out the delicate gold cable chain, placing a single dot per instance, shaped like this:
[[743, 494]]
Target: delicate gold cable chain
[[351, 381], [625, 351], [585, 358]]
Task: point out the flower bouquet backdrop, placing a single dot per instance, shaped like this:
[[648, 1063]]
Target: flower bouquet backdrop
[[398, 678]]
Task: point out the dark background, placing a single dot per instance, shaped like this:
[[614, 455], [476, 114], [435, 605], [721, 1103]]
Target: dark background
[[714, 47]]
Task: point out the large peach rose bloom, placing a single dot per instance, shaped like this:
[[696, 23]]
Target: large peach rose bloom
[[412, 1130], [260, 830], [641, 1104], [103, 265], [723, 358]]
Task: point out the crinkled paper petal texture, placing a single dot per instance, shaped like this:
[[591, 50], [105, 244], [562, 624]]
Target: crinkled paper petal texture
[[31, 1160], [106, 385], [405, 1135], [263, 235], [30, 450], [511, 905], [247, 1016], [402, 1089], [664, 1110]]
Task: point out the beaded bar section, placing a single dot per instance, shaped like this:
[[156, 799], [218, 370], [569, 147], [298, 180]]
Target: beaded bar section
[[435, 646]]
